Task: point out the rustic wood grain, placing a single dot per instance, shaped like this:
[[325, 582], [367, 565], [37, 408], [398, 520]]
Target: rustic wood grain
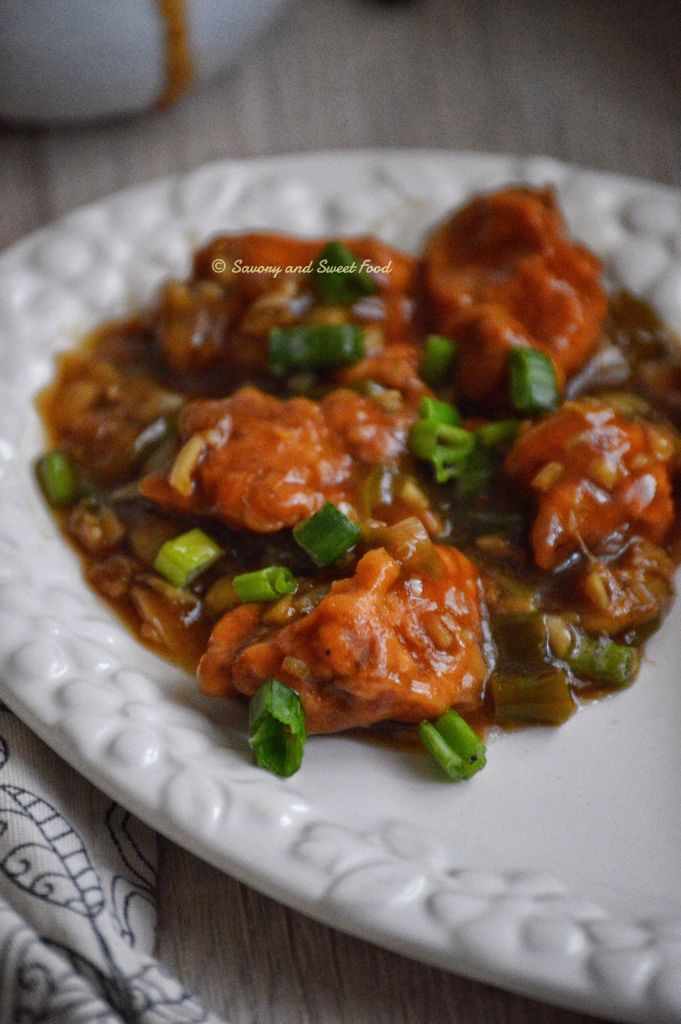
[[596, 82], [254, 960]]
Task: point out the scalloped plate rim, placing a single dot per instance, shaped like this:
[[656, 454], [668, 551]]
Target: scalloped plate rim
[[118, 784]]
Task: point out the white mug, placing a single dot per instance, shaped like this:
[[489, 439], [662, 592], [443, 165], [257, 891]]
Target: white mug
[[75, 60]]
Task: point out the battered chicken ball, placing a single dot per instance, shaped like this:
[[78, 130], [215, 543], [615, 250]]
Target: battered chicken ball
[[244, 285], [264, 463], [596, 479], [389, 643], [502, 272]]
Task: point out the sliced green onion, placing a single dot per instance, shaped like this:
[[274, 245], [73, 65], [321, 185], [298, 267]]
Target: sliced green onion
[[277, 728], [439, 412], [484, 458], [265, 584], [327, 534], [182, 559], [542, 699], [338, 276], [534, 386], [438, 438], [438, 360], [522, 641], [57, 479], [478, 472], [499, 434], [315, 347], [446, 447], [602, 660], [455, 746]]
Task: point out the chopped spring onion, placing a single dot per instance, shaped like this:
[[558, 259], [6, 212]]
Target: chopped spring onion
[[478, 472], [265, 585], [455, 746], [327, 534], [277, 728], [184, 558], [542, 699], [522, 641], [534, 386], [439, 412], [315, 347], [447, 448], [57, 479], [499, 434], [338, 276], [438, 438], [491, 439], [438, 360], [602, 660]]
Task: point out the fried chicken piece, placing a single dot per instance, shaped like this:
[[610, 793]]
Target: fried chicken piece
[[255, 461], [371, 432], [244, 285], [629, 592], [389, 643], [264, 463], [597, 478], [192, 323], [394, 368], [99, 413], [502, 272]]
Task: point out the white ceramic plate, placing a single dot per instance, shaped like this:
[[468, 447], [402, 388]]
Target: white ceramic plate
[[556, 871]]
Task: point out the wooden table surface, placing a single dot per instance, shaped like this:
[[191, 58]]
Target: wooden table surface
[[596, 82]]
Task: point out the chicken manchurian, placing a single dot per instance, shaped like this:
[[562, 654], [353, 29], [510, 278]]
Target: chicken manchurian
[[363, 489]]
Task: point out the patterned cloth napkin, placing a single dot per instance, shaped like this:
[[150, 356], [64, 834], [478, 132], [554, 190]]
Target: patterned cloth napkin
[[77, 900]]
